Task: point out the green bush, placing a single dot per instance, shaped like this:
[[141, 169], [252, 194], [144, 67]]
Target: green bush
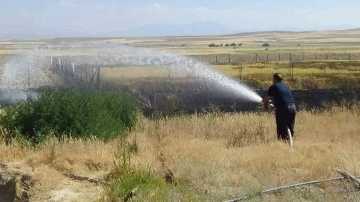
[[79, 114], [148, 186], [125, 178]]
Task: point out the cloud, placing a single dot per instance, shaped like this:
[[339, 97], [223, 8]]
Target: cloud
[[94, 8], [67, 4], [24, 12]]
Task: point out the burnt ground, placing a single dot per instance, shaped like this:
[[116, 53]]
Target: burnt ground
[[176, 96], [165, 97]]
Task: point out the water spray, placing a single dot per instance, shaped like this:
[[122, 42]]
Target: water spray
[[31, 69]]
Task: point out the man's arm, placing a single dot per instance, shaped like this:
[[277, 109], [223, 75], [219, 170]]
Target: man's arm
[[266, 99], [270, 93]]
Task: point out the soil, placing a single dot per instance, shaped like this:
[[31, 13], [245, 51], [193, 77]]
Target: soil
[[17, 183]]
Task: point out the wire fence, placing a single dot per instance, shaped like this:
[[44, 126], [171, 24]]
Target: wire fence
[[249, 58], [280, 57], [73, 70]]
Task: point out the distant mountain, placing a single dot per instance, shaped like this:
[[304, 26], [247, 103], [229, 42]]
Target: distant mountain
[[272, 29], [195, 29]]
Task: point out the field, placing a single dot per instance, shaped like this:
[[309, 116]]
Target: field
[[221, 154], [211, 158], [304, 75]]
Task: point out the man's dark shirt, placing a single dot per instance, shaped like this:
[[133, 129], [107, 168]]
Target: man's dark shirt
[[281, 95]]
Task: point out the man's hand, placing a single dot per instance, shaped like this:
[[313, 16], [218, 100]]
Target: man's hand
[[266, 99]]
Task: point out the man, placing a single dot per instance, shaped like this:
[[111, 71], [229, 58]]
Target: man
[[285, 107]]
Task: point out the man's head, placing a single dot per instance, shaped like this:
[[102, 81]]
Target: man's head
[[277, 78]]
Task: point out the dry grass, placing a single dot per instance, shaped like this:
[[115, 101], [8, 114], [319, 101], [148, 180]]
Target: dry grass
[[307, 75], [216, 155]]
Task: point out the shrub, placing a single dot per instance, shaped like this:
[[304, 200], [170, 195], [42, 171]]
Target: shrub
[[125, 179], [79, 114], [212, 45], [233, 44], [266, 44], [147, 185], [227, 45]]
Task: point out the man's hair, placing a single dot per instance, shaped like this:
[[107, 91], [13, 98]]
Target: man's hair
[[278, 77]]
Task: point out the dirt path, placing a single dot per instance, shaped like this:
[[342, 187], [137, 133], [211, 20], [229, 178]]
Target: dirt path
[[76, 191], [20, 181]]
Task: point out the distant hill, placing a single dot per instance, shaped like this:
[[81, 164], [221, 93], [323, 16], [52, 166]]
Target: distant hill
[[195, 29], [327, 29]]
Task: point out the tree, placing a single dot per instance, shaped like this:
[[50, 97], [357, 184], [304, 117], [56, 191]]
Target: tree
[[212, 45], [233, 44]]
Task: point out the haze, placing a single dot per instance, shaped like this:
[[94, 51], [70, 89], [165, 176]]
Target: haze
[[95, 18]]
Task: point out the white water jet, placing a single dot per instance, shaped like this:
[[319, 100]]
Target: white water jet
[[149, 57], [32, 69]]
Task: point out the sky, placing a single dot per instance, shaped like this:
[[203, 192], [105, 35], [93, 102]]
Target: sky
[[98, 17]]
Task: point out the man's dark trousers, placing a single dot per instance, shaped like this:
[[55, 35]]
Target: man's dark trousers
[[285, 118]]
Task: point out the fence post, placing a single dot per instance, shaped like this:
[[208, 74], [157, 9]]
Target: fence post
[[290, 57], [98, 77], [229, 59], [28, 75], [73, 69], [292, 73], [216, 59], [315, 57], [240, 71]]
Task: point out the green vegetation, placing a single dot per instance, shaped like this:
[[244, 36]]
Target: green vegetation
[[74, 113], [146, 185], [127, 181]]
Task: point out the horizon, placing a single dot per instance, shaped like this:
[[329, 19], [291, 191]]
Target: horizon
[[93, 18]]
